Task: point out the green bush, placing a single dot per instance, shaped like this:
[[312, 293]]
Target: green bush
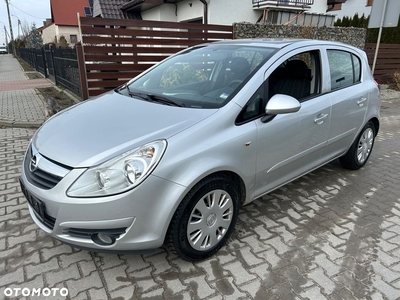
[[389, 35]]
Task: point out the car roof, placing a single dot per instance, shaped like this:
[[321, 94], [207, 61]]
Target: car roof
[[280, 43]]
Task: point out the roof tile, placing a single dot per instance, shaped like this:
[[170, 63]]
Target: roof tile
[[65, 12], [111, 9]]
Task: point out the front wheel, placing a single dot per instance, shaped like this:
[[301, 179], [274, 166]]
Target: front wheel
[[205, 219], [360, 150]]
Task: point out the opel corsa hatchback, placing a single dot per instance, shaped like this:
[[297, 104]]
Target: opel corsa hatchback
[[171, 156]]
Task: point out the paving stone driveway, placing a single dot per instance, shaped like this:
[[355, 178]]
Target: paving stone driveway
[[333, 234]]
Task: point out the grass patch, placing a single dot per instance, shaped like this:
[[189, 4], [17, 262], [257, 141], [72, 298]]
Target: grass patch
[[63, 100], [25, 66]]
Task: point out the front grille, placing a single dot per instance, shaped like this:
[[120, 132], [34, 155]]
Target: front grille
[[87, 233], [38, 177], [45, 219]]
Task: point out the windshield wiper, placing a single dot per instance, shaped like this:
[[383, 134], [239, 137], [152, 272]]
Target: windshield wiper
[[155, 98], [164, 100]]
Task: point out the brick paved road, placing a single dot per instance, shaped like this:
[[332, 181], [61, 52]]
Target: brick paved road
[[20, 105], [333, 234]]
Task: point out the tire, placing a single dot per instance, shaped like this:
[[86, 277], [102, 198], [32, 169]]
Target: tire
[[205, 219], [361, 149]]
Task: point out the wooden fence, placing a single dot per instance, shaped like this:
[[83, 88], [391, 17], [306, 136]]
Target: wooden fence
[[388, 61], [113, 51]]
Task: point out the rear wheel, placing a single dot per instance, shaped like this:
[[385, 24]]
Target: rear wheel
[[361, 149], [205, 219]]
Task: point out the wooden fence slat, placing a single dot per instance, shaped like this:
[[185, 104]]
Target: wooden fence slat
[[391, 67], [124, 58], [156, 33], [388, 61], [385, 61], [387, 56], [390, 48], [111, 75], [117, 50], [106, 83], [140, 41], [381, 46], [117, 67], [131, 49], [97, 92]]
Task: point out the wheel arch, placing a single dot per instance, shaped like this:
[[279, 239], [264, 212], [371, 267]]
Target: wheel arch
[[376, 123], [177, 240], [237, 180], [231, 175]]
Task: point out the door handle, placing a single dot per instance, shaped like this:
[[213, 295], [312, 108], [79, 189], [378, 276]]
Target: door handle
[[320, 118], [361, 101]]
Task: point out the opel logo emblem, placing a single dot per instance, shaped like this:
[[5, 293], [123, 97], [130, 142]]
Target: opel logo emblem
[[34, 163]]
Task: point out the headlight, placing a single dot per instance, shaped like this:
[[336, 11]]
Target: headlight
[[119, 174]]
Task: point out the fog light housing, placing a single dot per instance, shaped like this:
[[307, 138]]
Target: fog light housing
[[103, 239]]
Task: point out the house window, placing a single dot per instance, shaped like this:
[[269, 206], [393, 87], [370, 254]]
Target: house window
[[369, 2], [88, 11], [73, 38], [337, 6]]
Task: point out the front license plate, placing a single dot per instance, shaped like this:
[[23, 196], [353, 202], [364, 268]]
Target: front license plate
[[37, 205]]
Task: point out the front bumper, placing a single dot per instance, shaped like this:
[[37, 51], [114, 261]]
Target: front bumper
[[138, 218]]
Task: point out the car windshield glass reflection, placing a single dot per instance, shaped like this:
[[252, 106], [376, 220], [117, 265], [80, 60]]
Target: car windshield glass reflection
[[201, 77]]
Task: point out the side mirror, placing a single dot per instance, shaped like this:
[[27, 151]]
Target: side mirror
[[282, 104]]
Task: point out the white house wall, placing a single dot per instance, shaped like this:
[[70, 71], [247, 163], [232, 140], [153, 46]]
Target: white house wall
[[48, 34], [165, 12], [153, 14], [190, 10], [351, 7], [318, 7], [169, 12], [66, 31], [227, 12]]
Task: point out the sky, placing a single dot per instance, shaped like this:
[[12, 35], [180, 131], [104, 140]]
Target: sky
[[27, 11]]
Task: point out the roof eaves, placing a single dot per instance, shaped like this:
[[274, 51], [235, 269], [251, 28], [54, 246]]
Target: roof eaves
[[131, 4]]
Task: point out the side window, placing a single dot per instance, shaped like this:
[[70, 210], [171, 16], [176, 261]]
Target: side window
[[345, 68], [254, 108], [357, 68], [299, 76]]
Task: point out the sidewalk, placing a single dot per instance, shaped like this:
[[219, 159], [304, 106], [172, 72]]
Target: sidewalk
[[20, 104]]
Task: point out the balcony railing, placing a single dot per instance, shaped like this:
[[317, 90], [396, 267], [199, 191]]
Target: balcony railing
[[287, 2]]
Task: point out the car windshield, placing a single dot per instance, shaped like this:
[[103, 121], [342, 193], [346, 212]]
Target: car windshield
[[201, 77]]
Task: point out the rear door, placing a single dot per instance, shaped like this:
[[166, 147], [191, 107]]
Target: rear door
[[349, 100]]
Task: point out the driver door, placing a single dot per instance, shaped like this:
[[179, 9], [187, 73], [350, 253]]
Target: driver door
[[292, 144]]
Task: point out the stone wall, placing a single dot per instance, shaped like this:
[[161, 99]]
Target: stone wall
[[349, 35]]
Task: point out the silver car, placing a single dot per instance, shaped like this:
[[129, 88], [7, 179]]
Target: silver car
[[171, 156]]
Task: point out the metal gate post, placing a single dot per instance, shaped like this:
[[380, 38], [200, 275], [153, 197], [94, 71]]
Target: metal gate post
[[46, 75], [82, 71], [54, 64]]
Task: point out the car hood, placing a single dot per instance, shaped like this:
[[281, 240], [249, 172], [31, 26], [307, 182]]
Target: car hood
[[97, 130]]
